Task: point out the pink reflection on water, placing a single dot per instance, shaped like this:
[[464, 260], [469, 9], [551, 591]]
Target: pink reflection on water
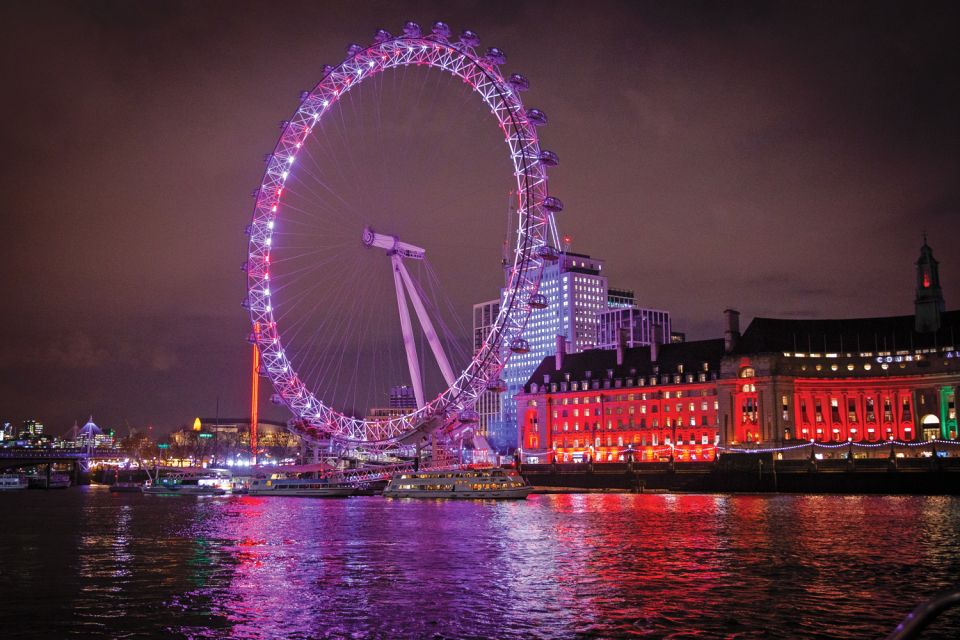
[[559, 565]]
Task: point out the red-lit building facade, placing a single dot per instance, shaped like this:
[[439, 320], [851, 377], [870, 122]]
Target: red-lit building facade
[[866, 380], [612, 405], [780, 383]]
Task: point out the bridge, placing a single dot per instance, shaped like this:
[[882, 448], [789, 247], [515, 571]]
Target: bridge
[[79, 457]]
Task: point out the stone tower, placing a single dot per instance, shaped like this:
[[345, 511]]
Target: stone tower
[[928, 305]]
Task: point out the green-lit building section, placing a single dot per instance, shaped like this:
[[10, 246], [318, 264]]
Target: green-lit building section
[[948, 412]]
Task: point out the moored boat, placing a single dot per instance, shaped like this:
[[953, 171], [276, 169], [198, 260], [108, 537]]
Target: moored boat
[[49, 481], [13, 482], [126, 487], [189, 483], [469, 483], [305, 487]]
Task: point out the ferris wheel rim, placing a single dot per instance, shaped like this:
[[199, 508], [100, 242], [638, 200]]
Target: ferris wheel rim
[[483, 75]]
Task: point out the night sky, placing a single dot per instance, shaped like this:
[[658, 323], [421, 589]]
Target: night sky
[[779, 158]]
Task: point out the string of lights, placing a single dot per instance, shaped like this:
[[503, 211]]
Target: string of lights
[[875, 445]]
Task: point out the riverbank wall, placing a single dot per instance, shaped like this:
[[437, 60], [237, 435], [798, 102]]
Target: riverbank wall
[[758, 473]]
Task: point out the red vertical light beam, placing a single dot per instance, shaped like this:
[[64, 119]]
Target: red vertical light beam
[[255, 392]]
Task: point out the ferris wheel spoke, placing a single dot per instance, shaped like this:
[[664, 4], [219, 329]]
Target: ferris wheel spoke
[[322, 198]]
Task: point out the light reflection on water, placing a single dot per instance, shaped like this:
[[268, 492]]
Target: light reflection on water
[[86, 563]]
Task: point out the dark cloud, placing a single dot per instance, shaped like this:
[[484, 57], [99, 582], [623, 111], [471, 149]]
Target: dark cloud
[[779, 157]]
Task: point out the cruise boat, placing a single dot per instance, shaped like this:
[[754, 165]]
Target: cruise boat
[[126, 487], [53, 481], [12, 482], [189, 483], [468, 483], [307, 487]]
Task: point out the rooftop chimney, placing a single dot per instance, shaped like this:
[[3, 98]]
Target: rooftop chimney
[[731, 334], [561, 351], [656, 340], [621, 344]]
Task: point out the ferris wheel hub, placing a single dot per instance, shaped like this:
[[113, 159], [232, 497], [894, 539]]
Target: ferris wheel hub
[[391, 244]]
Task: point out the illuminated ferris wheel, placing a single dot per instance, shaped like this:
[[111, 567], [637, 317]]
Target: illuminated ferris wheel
[[305, 227]]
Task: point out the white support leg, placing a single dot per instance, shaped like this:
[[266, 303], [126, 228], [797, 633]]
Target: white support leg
[[427, 326], [407, 329]]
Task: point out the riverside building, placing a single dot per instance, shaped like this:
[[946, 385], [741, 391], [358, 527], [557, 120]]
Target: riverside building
[[604, 405], [782, 382]]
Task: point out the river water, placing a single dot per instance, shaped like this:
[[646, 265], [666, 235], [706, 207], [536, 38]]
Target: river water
[[84, 563]]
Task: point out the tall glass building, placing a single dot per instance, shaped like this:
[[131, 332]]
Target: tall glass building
[[488, 404], [576, 290]]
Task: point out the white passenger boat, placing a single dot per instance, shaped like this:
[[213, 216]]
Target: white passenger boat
[[469, 483], [307, 487], [13, 482], [189, 483]]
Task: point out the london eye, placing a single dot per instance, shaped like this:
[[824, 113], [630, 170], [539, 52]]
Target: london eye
[[333, 257]]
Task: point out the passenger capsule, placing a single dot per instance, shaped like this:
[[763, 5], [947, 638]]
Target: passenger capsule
[[536, 117], [276, 399], [411, 29], [469, 38], [244, 266], [353, 49], [468, 416], [441, 30], [245, 303], [519, 345], [247, 230], [325, 70], [553, 205], [538, 301], [381, 36], [255, 192], [496, 56], [518, 82], [283, 124], [549, 158], [497, 386], [252, 338], [304, 94], [548, 253]]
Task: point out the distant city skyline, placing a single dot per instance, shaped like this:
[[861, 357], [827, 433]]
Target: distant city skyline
[[781, 159]]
